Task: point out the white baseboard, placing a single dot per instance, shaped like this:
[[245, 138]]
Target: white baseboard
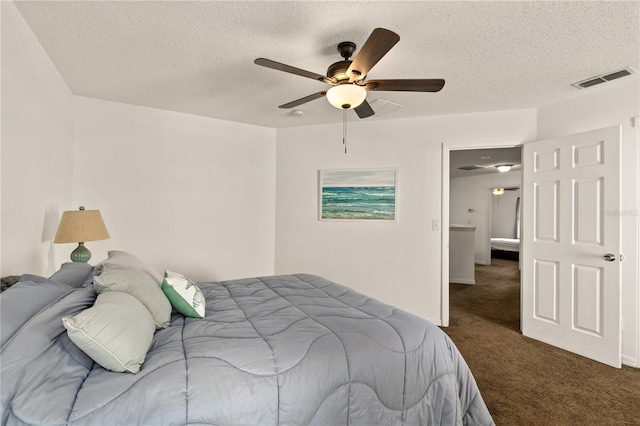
[[437, 322], [461, 281], [630, 361]]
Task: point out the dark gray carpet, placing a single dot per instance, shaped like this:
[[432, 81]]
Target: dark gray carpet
[[526, 382]]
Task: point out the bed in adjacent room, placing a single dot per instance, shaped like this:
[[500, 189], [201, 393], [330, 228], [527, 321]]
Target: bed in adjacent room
[[505, 248], [290, 349]]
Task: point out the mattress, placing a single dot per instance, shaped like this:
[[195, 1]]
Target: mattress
[[505, 244]]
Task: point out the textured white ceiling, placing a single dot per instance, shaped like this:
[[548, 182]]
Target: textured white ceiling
[[197, 57], [486, 158]]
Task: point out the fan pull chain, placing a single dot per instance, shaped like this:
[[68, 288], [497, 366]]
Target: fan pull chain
[[344, 129]]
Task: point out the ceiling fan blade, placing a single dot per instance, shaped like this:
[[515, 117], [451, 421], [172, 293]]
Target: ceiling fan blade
[[364, 110], [408, 85], [494, 165], [377, 45], [303, 100], [293, 70]]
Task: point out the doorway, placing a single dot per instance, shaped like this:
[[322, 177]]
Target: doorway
[[564, 301], [475, 209], [505, 215]]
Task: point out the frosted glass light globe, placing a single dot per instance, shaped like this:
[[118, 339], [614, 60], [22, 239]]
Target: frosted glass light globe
[[346, 96]]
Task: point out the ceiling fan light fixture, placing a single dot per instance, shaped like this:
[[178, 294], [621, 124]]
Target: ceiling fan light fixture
[[504, 168], [346, 96], [498, 191]]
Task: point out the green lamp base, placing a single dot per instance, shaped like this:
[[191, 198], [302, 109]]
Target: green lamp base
[[81, 254]]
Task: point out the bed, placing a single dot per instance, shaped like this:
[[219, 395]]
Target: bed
[[505, 248], [289, 349]]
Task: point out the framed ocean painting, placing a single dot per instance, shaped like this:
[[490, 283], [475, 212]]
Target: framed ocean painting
[[357, 194]]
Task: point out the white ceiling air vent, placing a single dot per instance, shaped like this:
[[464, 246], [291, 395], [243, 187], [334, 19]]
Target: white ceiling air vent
[[603, 78]]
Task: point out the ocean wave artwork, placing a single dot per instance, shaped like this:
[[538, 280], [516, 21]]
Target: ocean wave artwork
[[358, 194]]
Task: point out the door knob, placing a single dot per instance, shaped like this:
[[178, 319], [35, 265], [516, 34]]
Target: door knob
[[609, 257]]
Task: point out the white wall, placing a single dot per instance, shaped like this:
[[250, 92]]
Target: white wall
[[399, 263], [504, 214], [474, 192], [189, 193], [37, 148], [602, 107]]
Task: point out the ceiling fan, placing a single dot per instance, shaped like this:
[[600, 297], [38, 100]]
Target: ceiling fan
[[499, 190], [501, 167], [347, 77]]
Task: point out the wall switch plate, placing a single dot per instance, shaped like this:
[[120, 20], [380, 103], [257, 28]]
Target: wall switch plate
[[435, 225]]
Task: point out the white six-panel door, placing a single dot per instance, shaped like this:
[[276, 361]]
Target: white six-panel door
[[571, 292]]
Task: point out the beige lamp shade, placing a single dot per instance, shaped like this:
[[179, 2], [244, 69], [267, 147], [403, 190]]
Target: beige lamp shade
[[80, 226]]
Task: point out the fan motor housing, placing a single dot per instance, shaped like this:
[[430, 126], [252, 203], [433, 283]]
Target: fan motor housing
[[338, 70]]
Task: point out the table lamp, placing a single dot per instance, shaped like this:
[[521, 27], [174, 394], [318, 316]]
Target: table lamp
[[79, 226]]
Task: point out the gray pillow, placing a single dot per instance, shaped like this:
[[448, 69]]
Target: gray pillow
[[139, 285], [116, 332], [74, 274], [123, 258]]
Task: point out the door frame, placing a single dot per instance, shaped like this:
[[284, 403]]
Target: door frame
[[447, 147]]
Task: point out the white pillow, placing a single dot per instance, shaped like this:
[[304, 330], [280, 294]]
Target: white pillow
[[139, 285], [116, 332], [123, 258], [185, 296]]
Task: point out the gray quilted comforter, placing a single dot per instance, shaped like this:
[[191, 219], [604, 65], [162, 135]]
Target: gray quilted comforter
[[293, 350]]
